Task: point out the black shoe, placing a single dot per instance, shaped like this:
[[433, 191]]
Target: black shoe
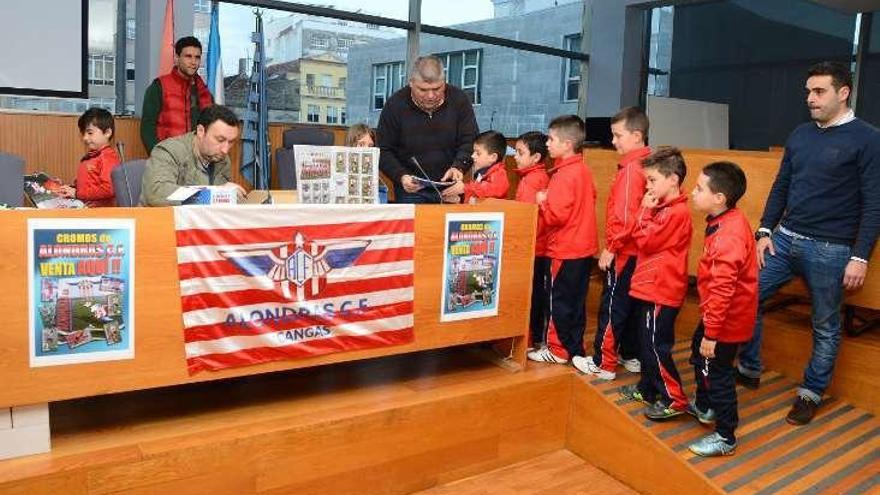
[[802, 411], [748, 382]]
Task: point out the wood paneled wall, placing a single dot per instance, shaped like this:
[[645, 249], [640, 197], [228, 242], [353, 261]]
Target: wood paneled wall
[[51, 142]]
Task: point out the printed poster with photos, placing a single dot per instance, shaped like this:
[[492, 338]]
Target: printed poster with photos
[[471, 265], [337, 174], [81, 290]]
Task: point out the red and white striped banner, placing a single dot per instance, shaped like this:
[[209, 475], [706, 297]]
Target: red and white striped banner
[[294, 281]]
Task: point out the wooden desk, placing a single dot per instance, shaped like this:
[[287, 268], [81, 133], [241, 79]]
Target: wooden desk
[[159, 350]]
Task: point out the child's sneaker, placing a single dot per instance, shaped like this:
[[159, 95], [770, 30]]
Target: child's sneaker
[[632, 393], [587, 366], [543, 355], [706, 417], [712, 446], [659, 411], [632, 365]]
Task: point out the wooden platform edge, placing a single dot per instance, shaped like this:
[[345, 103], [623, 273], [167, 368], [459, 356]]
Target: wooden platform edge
[[612, 440]]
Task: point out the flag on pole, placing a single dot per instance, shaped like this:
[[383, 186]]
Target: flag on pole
[[215, 62], [262, 285], [254, 138], [166, 49]]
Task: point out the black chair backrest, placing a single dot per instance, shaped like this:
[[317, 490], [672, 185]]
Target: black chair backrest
[[11, 183], [127, 179], [284, 158]]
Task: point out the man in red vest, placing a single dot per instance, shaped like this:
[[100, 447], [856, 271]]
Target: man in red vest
[[173, 102]]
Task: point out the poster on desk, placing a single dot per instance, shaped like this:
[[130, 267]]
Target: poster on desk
[[471, 265], [293, 281], [81, 290], [337, 174]]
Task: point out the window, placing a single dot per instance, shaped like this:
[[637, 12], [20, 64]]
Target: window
[[342, 82], [326, 80], [129, 71], [108, 104], [342, 118], [319, 41], [463, 71], [130, 29], [101, 70], [571, 79], [314, 114], [344, 43], [387, 78], [310, 80], [332, 115], [202, 6]]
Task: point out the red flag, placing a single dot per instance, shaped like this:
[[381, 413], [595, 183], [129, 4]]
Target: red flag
[[166, 48]]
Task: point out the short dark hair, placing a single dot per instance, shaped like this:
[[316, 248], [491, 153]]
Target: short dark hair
[[728, 179], [840, 74], [570, 128], [536, 142], [634, 119], [185, 42], [98, 117], [494, 142], [213, 113], [668, 161]]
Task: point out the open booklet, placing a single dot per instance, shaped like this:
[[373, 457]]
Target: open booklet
[[43, 191]]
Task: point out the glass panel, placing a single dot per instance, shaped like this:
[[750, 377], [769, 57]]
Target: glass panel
[[470, 76], [453, 70], [869, 85], [394, 9], [311, 60], [751, 55]]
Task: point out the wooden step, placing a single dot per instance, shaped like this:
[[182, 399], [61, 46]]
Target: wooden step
[[838, 452]]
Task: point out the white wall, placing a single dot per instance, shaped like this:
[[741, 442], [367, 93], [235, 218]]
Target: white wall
[[688, 123]]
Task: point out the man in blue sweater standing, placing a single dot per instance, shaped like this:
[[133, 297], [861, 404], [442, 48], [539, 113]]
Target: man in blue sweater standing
[[820, 222]]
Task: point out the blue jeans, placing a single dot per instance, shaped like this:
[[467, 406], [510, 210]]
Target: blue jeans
[[425, 195], [822, 265]]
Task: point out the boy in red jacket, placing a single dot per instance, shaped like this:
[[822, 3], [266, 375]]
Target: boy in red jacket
[[659, 283], [93, 185], [490, 174], [617, 335], [727, 280], [531, 151], [568, 209]]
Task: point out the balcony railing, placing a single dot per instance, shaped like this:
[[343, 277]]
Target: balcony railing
[[324, 92]]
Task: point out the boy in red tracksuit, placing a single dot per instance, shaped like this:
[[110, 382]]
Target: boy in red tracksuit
[[659, 283], [93, 185], [490, 174], [568, 209], [531, 151], [616, 338], [727, 280]]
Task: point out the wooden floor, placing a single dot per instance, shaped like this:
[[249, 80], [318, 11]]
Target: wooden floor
[[556, 473]]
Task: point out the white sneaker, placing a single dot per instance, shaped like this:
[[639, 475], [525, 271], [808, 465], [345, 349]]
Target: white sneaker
[[543, 355], [632, 365], [587, 366]]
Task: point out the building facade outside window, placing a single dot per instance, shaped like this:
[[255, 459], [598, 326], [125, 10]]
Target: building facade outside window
[[314, 114], [102, 70], [463, 71], [387, 78]]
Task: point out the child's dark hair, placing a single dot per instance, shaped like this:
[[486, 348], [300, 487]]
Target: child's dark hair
[[667, 160], [634, 119], [536, 143], [185, 42], [570, 128], [494, 142], [728, 179], [98, 117]]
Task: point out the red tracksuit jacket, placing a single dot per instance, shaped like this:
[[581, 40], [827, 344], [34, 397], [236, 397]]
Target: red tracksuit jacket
[[532, 180], [663, 236], [490, 182], [727, 278], [570, 210], [624, 203], [93, 184]]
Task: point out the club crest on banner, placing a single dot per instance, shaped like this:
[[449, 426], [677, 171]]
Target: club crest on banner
[[304, 263]]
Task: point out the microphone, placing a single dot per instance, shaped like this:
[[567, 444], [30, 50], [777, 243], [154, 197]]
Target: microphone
[[426, 176], [120, 149]]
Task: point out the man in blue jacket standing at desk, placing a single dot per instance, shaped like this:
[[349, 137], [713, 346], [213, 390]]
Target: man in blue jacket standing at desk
[[820, 222]]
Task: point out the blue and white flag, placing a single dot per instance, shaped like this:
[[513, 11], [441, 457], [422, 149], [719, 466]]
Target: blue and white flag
[[215, 62], [255, 126]]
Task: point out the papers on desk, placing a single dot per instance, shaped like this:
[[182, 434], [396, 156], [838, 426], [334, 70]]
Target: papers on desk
[[43, 191], [204, 195]]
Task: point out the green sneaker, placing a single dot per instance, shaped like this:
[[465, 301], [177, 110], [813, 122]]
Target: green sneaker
[[660, 411], [713, 445], [632, 393], [706, 417]]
